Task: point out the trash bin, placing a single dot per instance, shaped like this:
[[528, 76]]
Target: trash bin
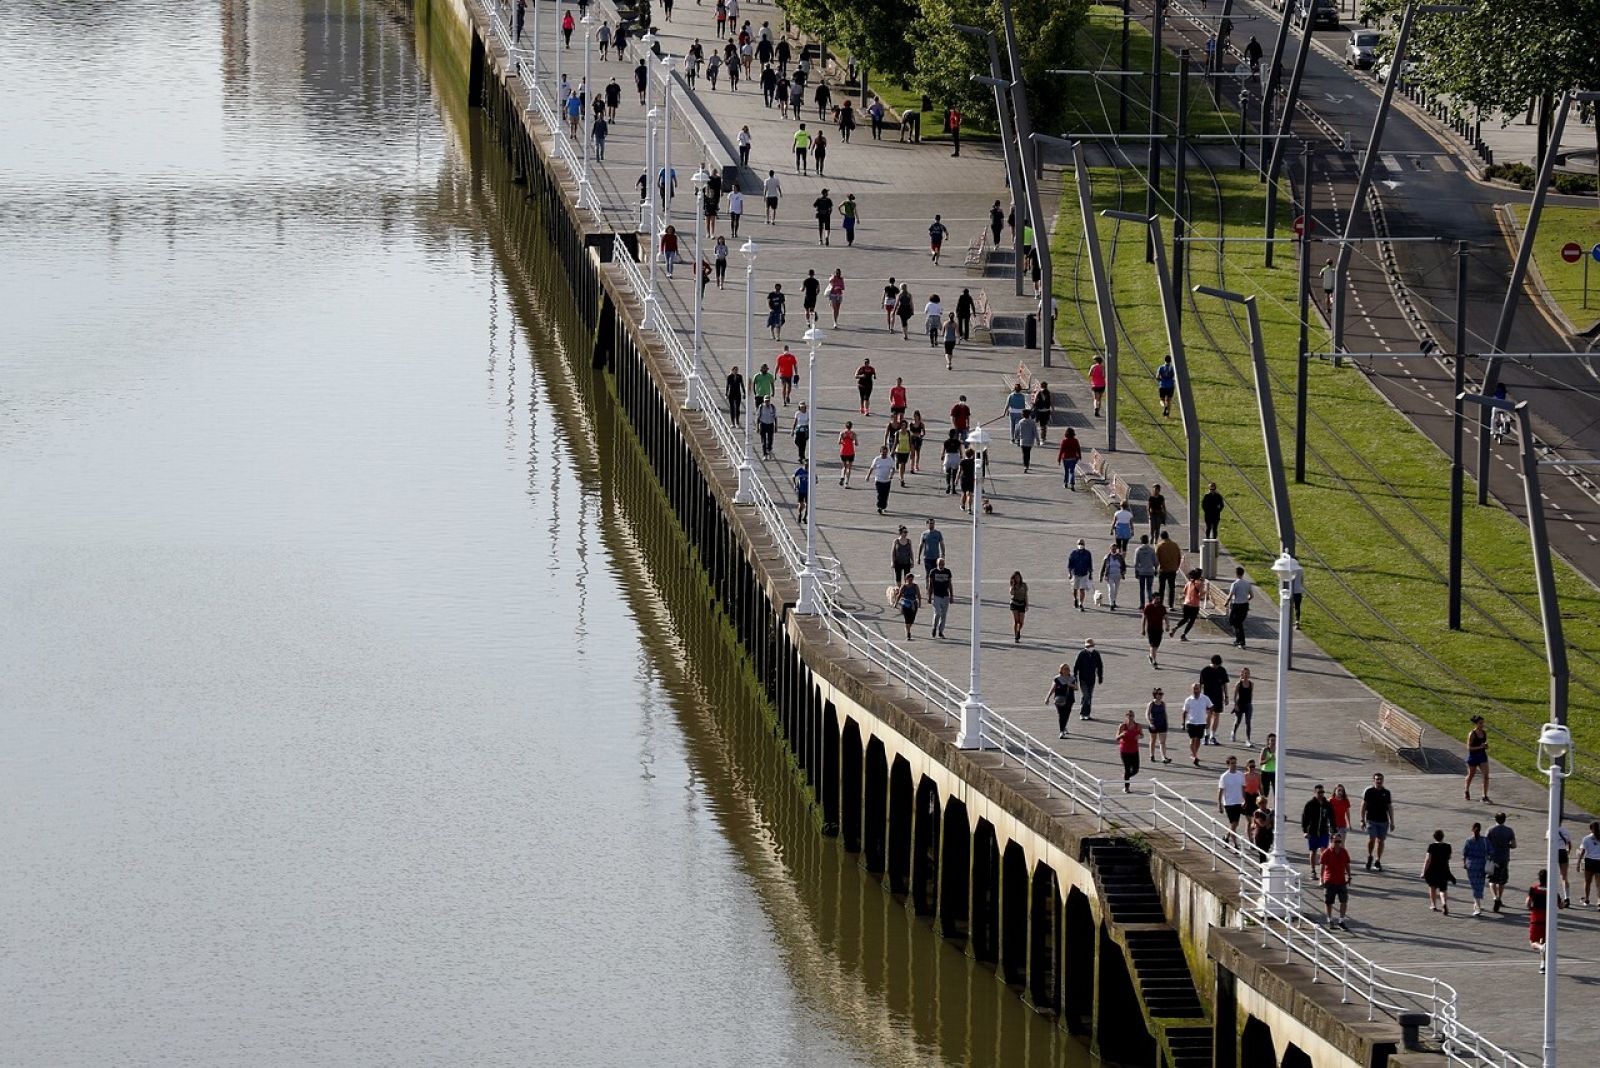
[[1030, 331], [1208, 557]]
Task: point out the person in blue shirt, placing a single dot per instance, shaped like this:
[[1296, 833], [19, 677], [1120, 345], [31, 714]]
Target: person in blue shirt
[[1080, 566], [802, 492], [1166, 382], [1016, 406]]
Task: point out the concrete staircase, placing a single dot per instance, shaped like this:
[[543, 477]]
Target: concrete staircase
[[1163, 982]]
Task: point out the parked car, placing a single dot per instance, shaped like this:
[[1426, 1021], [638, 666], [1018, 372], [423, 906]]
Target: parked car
[[1324, 14], [1361, 50]]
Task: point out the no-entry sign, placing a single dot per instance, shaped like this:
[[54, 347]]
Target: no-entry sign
[[1572, 252], [1299, 226]]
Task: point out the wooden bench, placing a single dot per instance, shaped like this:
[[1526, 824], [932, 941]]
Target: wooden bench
[[1097, 465], [980, 310], [1396, 730], [1216, 596], [975, 252]]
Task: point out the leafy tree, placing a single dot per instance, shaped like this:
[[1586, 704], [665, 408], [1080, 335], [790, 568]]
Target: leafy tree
[[946, 59], [1502, 56]]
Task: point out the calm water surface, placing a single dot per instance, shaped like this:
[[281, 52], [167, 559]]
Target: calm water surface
[[343, 720]]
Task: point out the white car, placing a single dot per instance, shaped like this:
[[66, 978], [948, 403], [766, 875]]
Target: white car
[[1361, 50], [1407, 69]]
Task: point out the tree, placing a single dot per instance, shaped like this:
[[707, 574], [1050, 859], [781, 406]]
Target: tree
[[946, 59], [1499, 56]]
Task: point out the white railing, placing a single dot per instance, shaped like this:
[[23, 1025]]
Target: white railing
[[1171, 811], [1086, 792]]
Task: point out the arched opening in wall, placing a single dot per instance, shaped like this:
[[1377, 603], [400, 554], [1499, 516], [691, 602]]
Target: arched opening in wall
[[874, 833], [925, 850], [1014, 916], [955, 871], [1255, 1045], [830, 769], [1120, 1032], [901, 808], [1295, 1057], [1044, 929], [850, 786], [985, 893], [1078, 946]]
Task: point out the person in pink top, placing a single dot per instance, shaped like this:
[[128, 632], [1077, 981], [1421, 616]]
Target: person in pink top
[[1097, 381]]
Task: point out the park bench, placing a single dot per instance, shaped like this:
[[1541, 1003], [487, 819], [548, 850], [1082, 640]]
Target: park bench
[[975, 250], [1097, 465], [1396, 730], [980, 311], [1113, 489]]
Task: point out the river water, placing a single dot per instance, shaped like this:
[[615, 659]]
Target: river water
[[344, 719]]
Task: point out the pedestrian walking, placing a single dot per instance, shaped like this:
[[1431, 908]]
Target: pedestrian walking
[[1128, 735], [936, 235], [847, 453], [1080, 569], [613, 99], [875, 113], [1169, 558], [1067, 454], [1097, 382], [1502, 840], [997, 221], [1316, 823], [1144, 567], [802, 148], [835, 294], [777, 310], [968, 476], [567, 23], [784, 53], [603, 38], [810, 288], [1089, 668], [1377, 819], [669, 248], [910, 599], [1016, 408], [769, 85], [1328, 275], [521, 13], [1437, 874], [1152, 624], [1211, 506], [1269, 767], [1475, 858], [735, 396], [802, 430], [719, 256], [1214, 681], [1112, 569], [1244, 696], [950, 450], [1063, 689], [1239, 593], [735, 213], [1477, 756], [1156, 510], [1027, 436], [965, 306], [641, 78], [767, 425], [598, 130], [941, 588], [1252, 787], [819, 152], [822, 97], [1166, 385], [1589, 846], [900, 555], [902, 450], [865, 375], [1335, 869], [1043, 405], [849, 215], [1538, 915], [897, 398], [1122, 525], [932, 319], [771, 191], [882, 472], [1194, 594], [891, 301], [763, 384], [1196, 714], [919, 432], [802, 490], [1019, 605], [930, 547], [1230, 797], [951, 333], [1155, 717]]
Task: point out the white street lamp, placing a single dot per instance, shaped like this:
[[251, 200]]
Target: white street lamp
[[535, 80], [810, 603], [745, 494], [665, 129], [1278, 874], [970, 736], [561, 111], [691, 399], [646, 42], [583, 110], [651, 237], [1555, 760]]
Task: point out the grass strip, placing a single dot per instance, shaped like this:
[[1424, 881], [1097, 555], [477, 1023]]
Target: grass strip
[[1557, 226]]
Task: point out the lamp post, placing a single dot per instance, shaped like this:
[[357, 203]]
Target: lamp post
[[535, 79], [691, 398], [664, 128], [583, 116], [649, 213], [745, 494], [970, 736], [1013, 173], [1277, 873], [810, 603], [561, 116], [1555, 760]]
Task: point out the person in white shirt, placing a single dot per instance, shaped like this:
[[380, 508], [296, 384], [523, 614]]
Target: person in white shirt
[[1590, 848], [882, 472], [1230, 796], [1239, 594], [1563, 863], [772, 189], [1195, 709], [935, 313], [735, 210]]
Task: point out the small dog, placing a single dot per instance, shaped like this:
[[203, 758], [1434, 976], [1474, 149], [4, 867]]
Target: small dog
[[1099, 598], [988, 508]]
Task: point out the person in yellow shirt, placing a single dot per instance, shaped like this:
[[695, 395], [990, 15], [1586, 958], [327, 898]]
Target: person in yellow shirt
[[802, 147]]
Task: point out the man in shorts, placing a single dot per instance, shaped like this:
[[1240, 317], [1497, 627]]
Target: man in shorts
[[824, 209], [1152, 618], [936, 235], [1196, 709], [1335, 869], [1230, 797], [1316, 823], [1502, 840], [1080, 568], [1166, 384], [788, 371], [810, 286], [1590, 849], [772, 189], [1377, 819]]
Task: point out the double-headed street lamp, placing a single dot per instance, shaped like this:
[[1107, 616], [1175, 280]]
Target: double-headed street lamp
[[970, 736], [691, 398], [810, 603], [745, 493]]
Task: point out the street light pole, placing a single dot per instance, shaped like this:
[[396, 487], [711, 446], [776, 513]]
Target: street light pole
[[1102, 289], [745, 493], [665, 129], [1278, 873], [810, 601], [970, 736], [647, 206], [1457, 460], [1014, 180], [583, 117], [1555, 760], [691, 398]]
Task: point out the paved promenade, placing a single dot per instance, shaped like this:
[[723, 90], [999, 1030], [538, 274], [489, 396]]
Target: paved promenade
[[1036, 522]]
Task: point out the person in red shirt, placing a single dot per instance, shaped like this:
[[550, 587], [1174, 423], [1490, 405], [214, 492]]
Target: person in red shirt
[[1335, 864], [1152, 623], [960, 416], [1128, 735], [1097, 382], [1068, 455], [1538, 911], [788, 372], [897, 397]]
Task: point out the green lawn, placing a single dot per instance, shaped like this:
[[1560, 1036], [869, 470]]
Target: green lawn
[[1372, 539], [1557, 226], [903, 100]]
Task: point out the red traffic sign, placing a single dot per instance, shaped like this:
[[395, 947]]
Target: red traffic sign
[[1299, 226], [1572, 252]]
